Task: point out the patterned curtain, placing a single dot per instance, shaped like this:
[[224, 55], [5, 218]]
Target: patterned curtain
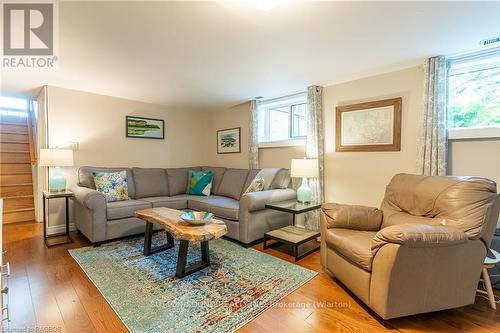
[[315, 149], [432, 140], [253, 145]]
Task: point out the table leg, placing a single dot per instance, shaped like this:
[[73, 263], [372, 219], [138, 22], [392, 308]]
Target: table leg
[[148, 240], [489, 290], [67, 219], [44, 222], [293, 219], [182, 270], [265, 242]]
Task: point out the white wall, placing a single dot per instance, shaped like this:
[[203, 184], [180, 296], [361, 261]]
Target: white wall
[[97, 123]]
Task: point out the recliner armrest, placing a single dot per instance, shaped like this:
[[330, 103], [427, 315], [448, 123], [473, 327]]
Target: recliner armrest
[[89, 198], [354, 217], [257, 200], [418, 235]]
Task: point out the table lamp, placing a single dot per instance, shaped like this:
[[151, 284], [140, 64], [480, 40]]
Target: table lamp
[[304, 168], [57, 158]]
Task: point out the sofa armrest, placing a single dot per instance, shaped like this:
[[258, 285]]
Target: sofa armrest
[[418, 235], [89, 198], [351, 217], [257, 200]]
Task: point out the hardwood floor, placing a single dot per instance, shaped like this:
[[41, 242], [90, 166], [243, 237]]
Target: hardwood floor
[[48, 289]]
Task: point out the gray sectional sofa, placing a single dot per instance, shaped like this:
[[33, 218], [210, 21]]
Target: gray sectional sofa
[[244, 214]]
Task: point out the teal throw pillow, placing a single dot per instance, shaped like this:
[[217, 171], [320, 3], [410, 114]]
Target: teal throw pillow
[[200, 182], [112, 184]]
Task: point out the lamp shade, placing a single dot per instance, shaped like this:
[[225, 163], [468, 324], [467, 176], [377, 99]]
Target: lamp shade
[[54, 157], [304, 168]]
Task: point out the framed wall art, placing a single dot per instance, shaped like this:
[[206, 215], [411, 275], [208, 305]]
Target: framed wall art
[[146, 128], [228, 141], [371, 126]]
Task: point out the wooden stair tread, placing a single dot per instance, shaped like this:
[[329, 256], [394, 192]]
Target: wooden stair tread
[[10, 173], [18, 210], [19, 196], [15, 151], [12, 132]]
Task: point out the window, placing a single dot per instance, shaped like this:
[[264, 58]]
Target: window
[[16, 107], [283, 121], [474, 95]]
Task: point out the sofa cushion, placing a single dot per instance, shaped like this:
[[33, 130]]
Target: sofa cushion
[[218, 172], [122, 209], [354, 245], [232, 183], [86, 179], [150, 182], [175, 202], [251, 176], [201, 203], [281, 179], [226, 208], [112, 184], [178, 180], [200, 182]]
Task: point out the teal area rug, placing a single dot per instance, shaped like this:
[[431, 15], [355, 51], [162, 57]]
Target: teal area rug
[[146, 295]]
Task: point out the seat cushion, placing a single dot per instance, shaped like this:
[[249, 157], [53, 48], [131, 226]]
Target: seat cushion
[[175, 202], [150, 182], [354, 245], [223, 207], [122, 209], [201, 203], [232, 183], [226, 208]]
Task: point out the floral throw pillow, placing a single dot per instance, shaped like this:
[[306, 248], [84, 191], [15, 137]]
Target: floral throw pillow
[[255, 186], [112, 184]]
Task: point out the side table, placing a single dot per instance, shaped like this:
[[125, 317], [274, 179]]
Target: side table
[[293, 235], [489, 263], [47, 196]]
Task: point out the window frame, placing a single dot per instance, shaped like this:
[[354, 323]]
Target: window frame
[[465, 64], [288, 102]]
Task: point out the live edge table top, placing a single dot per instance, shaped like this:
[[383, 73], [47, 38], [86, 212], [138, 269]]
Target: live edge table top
[[170, 220]]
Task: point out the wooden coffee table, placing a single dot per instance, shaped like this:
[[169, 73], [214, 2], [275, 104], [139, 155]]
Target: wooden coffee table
[[170, 220]]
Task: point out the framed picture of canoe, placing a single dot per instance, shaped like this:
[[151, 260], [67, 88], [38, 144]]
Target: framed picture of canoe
[[228, 141], [145, 128]]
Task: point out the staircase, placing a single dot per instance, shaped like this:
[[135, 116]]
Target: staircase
[[16, 158]]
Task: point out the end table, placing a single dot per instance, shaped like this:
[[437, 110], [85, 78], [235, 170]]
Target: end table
[[293, 235], [47, 196]]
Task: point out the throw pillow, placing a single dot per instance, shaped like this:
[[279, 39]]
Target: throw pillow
[[256, 185], [200, 182], [112, 184]]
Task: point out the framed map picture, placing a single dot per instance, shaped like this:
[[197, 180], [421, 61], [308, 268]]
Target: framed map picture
[[228, 141], [147, 128], [371, 126]]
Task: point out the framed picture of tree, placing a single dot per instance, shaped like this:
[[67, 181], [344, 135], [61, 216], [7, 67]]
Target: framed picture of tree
[[228, 141]]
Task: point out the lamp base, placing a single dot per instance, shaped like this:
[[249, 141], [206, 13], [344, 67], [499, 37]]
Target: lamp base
[[57, 181], [304, 192]]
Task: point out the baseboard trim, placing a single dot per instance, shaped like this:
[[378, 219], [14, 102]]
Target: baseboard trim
[[57, 229]]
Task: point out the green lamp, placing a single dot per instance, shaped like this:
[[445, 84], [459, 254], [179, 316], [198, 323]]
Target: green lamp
[[304, 168], [56, 158]]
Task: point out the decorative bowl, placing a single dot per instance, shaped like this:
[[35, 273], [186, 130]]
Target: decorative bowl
[[197, 218]]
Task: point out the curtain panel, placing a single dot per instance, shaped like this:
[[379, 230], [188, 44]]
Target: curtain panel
[[433, 136], [253, 144], [315, 149]]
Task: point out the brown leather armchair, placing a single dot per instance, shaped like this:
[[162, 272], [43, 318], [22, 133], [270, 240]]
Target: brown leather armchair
[[422, 251]]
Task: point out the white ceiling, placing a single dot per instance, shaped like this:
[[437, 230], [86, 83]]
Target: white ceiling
[[209, 55]]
